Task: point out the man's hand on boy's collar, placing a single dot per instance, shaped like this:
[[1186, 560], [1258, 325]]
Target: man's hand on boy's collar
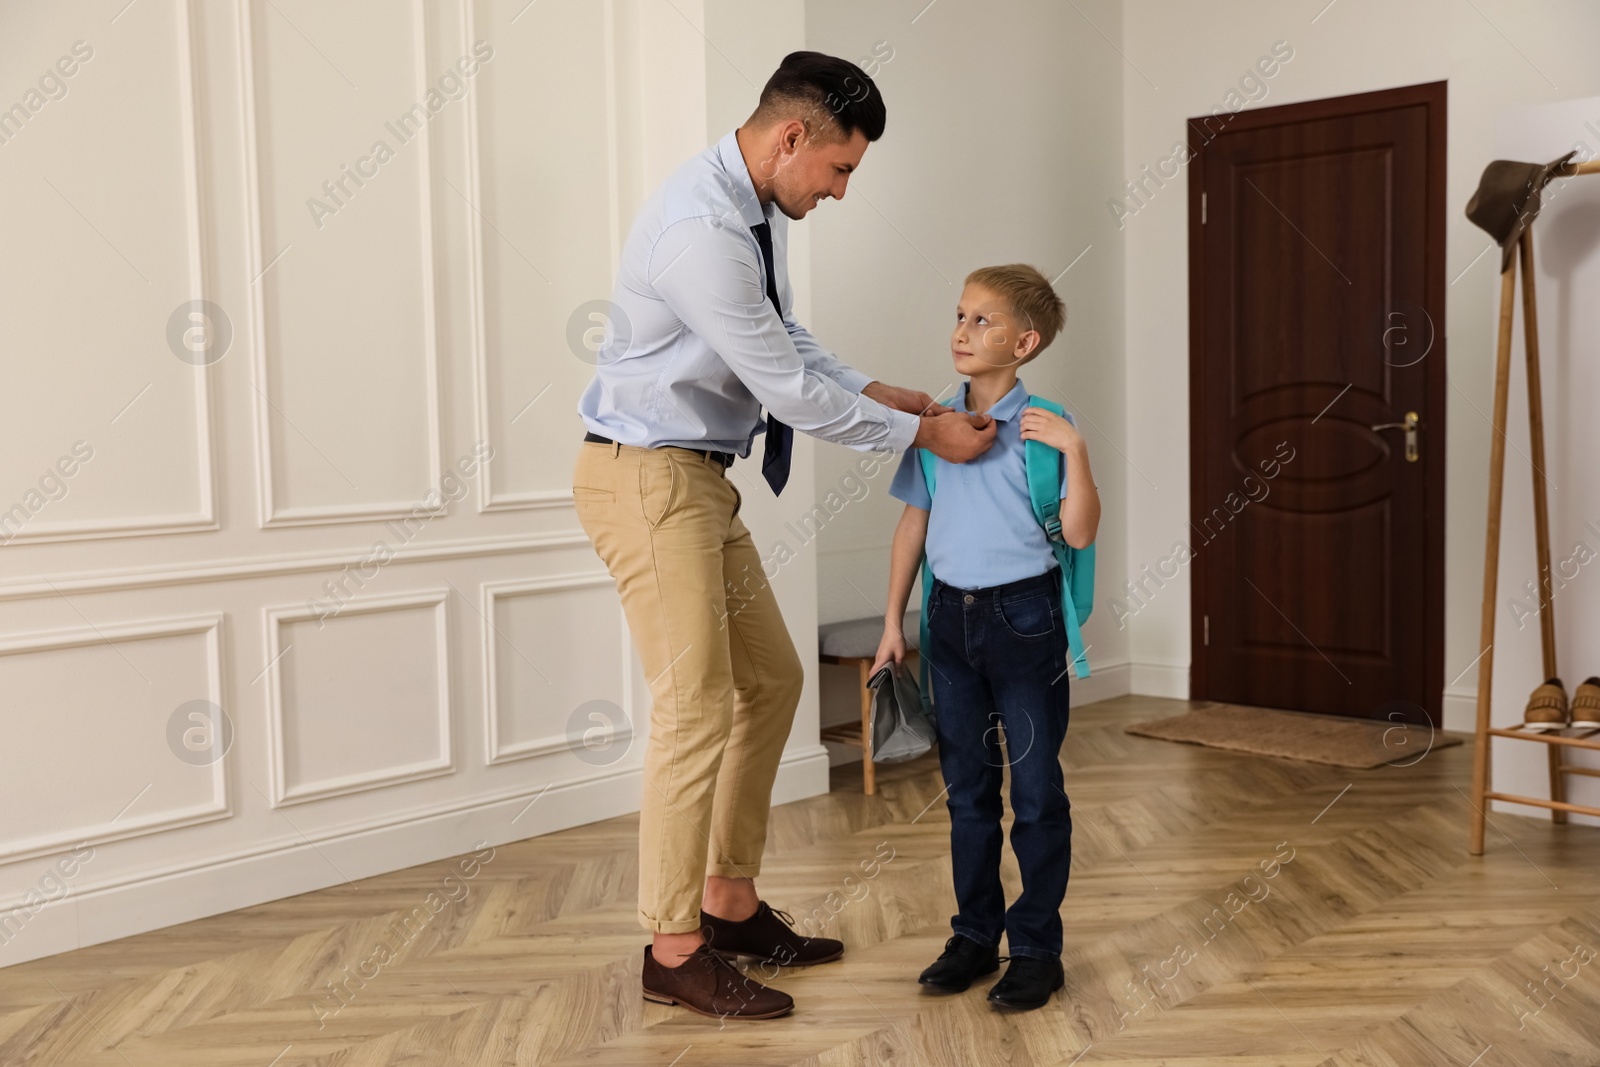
[[912, 400], [955, 436], [1055, 431]]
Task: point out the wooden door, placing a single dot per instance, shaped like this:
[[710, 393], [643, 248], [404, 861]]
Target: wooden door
[[1316, 260]]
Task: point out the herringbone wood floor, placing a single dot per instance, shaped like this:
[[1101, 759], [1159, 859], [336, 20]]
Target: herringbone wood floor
[[1380, 943]]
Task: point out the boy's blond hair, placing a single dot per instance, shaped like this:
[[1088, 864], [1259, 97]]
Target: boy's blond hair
[[1033, 301]]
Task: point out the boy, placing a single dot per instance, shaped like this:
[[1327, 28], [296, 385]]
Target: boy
[[997, 644]]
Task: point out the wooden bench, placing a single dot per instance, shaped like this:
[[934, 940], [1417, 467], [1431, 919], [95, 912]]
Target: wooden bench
[[856, 641]]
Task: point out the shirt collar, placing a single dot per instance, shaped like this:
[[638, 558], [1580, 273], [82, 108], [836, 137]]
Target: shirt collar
[[739, 183], [1005, 409]]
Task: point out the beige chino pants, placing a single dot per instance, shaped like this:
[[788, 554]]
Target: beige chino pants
[[724, 676]]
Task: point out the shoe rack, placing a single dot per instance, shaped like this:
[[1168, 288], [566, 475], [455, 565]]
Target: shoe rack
[[1557, 742]]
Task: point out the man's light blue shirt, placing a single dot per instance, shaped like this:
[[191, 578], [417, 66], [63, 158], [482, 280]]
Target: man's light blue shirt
[[981, 529], [696, 349]]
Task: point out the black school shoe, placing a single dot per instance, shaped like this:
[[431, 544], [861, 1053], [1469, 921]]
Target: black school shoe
[[962, 961], [1028, 983]]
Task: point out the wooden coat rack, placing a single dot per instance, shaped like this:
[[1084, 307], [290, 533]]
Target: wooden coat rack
[[1556, 742]]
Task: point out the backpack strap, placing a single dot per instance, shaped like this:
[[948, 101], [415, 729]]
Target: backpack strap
[[1044, 487], [1044, 476], [930, 476]]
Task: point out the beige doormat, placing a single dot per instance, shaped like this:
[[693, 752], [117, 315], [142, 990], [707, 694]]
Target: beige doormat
[[1360, 743]]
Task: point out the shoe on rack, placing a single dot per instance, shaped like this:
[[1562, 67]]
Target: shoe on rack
[[707, 984], [1586, 704], [1028, 983], [1547, 708], [962, 961]]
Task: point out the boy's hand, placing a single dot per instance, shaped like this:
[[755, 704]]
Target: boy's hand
[[1055, 431], [892, 649], [955, 436]]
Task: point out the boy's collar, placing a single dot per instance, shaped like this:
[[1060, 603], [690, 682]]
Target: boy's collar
[[1005, 409]]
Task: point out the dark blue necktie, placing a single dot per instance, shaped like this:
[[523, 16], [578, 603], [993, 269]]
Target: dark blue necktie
[[780, 438]]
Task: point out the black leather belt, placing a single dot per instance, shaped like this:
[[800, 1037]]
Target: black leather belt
[[724, 458]]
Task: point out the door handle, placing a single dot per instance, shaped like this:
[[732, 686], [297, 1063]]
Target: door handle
[[1410, 427]]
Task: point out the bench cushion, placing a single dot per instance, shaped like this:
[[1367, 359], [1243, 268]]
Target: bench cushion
[[858, 638]]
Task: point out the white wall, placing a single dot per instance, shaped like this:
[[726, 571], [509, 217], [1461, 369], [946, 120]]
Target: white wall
[[1182, 60], [1002, 131], [173, 558], [1567, 277]]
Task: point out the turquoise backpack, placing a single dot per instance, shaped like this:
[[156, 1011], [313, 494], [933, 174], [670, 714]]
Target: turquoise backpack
[[1077, 564]]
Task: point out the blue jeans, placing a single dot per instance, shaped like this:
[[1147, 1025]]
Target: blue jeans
[[998, 663]]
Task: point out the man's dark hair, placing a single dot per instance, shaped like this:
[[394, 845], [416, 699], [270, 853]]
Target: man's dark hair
[[825, 92]]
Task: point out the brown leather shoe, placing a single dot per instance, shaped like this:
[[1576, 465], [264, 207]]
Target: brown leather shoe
[[1586, 704], [707, 984], [768, 936], [1547, 708]]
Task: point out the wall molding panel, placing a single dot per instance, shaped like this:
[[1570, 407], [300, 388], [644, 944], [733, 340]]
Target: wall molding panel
[[197, 284], [497, 750], [131, 821], [284, 748], [273, 513], [489, 498]]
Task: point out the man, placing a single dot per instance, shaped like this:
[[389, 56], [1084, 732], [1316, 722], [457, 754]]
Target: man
[[703, 338]]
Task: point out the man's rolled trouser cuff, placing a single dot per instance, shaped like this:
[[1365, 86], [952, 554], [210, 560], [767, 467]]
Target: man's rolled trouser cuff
[[669, 926], [733, 870]]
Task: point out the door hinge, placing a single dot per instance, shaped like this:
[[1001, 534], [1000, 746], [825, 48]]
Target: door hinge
[[1202, 209], [1207, 639]]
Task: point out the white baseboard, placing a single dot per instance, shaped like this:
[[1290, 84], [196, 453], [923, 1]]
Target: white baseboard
[[1160, 680], [1104, 682], [164, 898], [1461, 709]]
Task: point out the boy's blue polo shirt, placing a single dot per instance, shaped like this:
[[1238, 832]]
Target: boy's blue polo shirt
[[981, 529]]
